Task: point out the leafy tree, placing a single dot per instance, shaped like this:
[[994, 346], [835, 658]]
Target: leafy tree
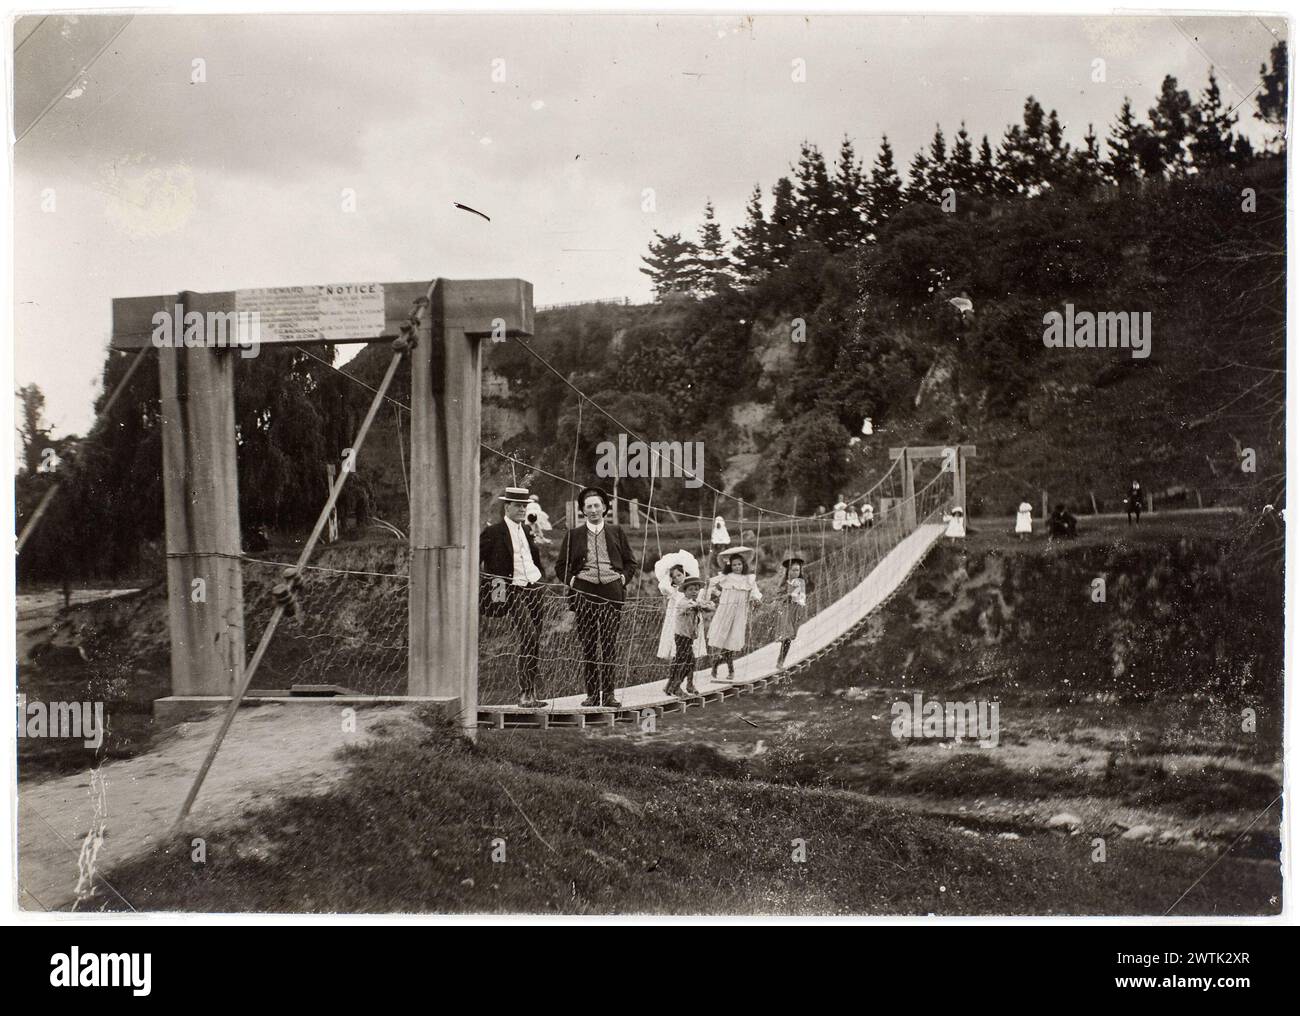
[[34, 433], [671, 264], [809, 459]]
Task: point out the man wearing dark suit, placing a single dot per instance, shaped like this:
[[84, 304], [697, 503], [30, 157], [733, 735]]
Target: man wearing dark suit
[[510, 575], [596, 562]]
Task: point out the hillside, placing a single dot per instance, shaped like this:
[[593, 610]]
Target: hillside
[[776, 416]]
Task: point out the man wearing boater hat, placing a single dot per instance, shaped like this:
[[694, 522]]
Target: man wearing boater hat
[[596, 562], [510, 575]]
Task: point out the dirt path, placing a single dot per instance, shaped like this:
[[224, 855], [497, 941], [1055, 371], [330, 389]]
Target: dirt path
[[37, 611], [271, 750]]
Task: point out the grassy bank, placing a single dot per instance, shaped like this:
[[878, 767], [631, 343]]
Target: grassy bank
[[594, 826]]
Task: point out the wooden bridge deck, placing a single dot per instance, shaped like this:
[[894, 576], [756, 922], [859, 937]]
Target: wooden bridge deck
[[753, 671]]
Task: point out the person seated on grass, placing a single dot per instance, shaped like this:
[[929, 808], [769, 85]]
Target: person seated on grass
[[1062, 524]]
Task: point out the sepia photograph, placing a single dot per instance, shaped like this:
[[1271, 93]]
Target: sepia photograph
[[700, 464]]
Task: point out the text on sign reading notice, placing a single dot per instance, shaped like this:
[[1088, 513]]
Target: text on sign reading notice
[[315, 313]]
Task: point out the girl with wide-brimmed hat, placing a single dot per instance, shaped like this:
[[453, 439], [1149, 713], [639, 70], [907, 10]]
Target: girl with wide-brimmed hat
[[670, 570], [687, 612], [735, 590], [793, 590]]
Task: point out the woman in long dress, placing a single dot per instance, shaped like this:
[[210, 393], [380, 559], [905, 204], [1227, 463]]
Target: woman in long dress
[[1024, 519], [735, 590]]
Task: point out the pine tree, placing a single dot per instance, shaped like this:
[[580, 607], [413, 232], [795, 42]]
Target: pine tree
[[1015, 168], [885, 192], [918, 180], [1211, 129], [712, 269], [1122, 166], [1171, 124], [671, 264], [1270, 102], [986, 171], [783, 225], [850, 199], [938, 178], [814, 196], [1243, 152], [1035, 154], [962, 172], [1086, 171], [1056, 152], [752, 256]]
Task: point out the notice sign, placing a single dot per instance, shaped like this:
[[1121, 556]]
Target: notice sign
[[353, 311]]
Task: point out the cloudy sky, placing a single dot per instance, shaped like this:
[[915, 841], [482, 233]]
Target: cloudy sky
[[162, 183]]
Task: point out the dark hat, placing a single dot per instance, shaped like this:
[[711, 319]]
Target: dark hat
[[792, 559], [692, 582], [588, 492], [518, 495]]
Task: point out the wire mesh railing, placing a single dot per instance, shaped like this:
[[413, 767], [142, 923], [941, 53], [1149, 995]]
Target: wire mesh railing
[[350, 626]]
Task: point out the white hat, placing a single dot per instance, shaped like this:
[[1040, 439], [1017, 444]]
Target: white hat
[[517, 495]]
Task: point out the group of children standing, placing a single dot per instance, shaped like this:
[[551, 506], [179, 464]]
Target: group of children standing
[[725, 602]]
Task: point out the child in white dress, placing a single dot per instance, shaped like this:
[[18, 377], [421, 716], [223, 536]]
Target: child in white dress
[[1024, 519], [735, 590]]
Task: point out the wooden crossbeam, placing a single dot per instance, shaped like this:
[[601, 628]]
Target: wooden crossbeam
[[932, 451], [337, 313]]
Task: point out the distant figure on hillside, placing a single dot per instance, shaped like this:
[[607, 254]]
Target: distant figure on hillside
[[1133, 504], [851, 519], [841, 515], [720, 537], [1062, 524], [956, 520], [868, 515], [1024, 519]]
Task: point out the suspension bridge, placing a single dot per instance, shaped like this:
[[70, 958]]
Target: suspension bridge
[[407, 628]]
